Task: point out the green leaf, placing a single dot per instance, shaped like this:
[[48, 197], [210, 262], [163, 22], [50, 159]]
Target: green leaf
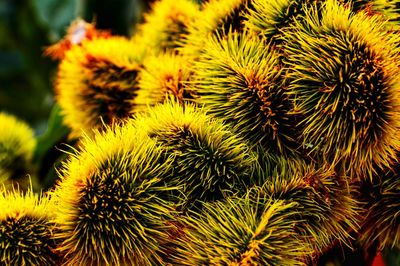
[[54, 133], [57, 14]]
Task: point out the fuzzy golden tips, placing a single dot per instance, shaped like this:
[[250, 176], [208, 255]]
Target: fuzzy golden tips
[[164, 76], [112, 201], [26, 229], [242, 231], [166, 26], [327, 208], [210, 160], [343, 77], [78, 31], [17, 144], [97, 83], [216, 18], [241, 80]]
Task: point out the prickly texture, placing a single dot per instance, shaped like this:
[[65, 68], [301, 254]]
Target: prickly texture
[[343, 77], [389, 9], [97, 83], [17, 144], [239, 79], [166, 26], [164, 76], [242, 231], [113, 201], [327, 209], [217, 18], [381, 225], [26, 229], [210, 160], [269, 18]]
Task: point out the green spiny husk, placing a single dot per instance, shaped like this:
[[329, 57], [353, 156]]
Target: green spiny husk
[[381, 224], [210, 161], [327, 208], [242, 231], [241, 80], [113, 201], [26, 229], [343, 79], [217, 18]]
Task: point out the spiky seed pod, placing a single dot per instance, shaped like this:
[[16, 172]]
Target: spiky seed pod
[[17, 144], [326, 206], [166, 25], [26, 229], [97, 83], [344, 79], [381, 225], [112, 201], [269, 18], [270, 164], [210, 160], [240, 80], [216, 18], [242, 231], [164, 76]]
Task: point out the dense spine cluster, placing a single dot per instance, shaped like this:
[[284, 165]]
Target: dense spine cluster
[[235, 132]]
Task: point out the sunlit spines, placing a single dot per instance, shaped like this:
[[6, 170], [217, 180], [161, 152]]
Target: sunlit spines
[[26, 229], [242, 231], [97, 83], [328, 211], [113, 201], [166, 26], [343, 77], [241, 80], [163, 77], [17, 145], [269, 18], [210, 160], [216, 18]]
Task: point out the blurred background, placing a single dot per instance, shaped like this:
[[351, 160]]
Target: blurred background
[[27, 27]]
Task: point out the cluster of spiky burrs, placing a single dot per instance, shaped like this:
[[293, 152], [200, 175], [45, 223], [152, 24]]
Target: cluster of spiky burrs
[[27, 229], [231, 133]]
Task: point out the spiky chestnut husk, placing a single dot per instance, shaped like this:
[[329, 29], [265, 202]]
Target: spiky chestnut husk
[[97, 83], [328, 211], [210, 160], [240, 79], [381, 224], [113, 201], [347, 100], [269, 18], [216, 18], [17, 144], [26, 229], [164, 76], [166, 26], [242, 231]]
